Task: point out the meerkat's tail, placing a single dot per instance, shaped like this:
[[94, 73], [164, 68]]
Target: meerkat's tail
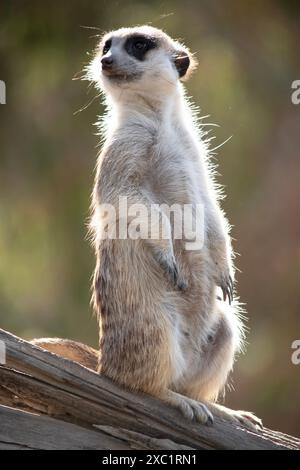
[[71, 350]]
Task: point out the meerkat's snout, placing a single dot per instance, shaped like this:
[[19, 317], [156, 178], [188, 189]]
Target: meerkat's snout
[[107, 63]]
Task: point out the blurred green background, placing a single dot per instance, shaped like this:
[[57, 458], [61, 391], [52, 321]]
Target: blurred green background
[[248, 56]]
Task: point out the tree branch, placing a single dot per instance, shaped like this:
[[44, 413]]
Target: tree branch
[[55, 403]]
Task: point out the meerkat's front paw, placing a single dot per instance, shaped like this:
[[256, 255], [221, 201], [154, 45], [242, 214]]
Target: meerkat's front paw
[[170, 267]]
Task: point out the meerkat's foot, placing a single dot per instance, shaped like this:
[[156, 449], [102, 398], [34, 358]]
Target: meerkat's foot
[[248, 419], [244, 418], [192, 410]]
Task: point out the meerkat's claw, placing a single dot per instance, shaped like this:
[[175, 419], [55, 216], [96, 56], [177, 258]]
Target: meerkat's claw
[[226, 293], [171, 269], [182, 285], [226, 285]]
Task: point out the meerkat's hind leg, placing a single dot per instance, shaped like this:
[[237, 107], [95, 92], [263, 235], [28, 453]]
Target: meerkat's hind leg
[[191, 409], [244, 418]]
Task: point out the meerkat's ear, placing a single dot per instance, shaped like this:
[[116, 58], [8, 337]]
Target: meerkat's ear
[[182, 62]]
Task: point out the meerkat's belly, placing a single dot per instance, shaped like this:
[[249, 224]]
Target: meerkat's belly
[[209, 335], [209, 355]]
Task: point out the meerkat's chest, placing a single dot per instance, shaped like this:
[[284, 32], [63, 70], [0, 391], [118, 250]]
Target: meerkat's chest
[[174, 168]]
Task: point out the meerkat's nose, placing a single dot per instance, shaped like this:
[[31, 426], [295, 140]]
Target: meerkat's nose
[[107, 62]]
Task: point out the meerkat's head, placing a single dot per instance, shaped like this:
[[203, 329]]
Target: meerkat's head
[[144, 60]]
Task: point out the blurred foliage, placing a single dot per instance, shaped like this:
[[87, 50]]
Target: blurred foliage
[[248, 56]]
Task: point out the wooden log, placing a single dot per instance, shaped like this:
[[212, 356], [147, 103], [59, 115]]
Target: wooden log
[[38, 385]]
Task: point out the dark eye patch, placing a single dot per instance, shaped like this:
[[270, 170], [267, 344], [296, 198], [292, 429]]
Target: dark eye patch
[[106, 46], [138, 45]]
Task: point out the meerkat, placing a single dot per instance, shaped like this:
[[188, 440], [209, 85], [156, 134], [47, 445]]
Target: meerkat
[[164, 330]]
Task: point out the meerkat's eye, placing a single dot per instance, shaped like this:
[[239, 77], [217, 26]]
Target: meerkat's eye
[[106, 47], [137, 46], [140, 45]]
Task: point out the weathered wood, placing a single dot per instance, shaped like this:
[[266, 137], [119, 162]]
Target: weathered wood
[[41, 432], [69, 394]]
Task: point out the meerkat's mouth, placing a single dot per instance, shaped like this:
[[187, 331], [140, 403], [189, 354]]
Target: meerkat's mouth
[[113, 74], [120, 76]]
